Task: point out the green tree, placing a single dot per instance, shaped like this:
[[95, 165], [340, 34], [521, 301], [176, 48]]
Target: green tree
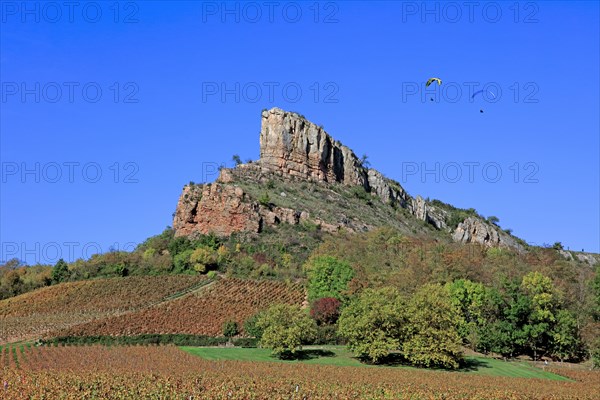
[[328, 277], [507, 312], [60, 272], [432, 338], [250, 326], [565, 336], [595, 285], [236, 159], [470, 298], [230, 329], [373, 323], [285, 328], [202, 258], [544, 301], [364, 160], [182, 261], [493, 220]]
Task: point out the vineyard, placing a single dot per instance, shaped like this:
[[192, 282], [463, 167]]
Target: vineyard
[[199, 313], [58, 307], [166, 372]]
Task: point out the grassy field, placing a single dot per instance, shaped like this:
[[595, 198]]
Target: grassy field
[[340, 356]]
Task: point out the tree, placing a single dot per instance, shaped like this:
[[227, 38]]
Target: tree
[[544, 302], [236, 159], [328, 277], [250, 327], [432, 338], [470, 298], [373, 323], [364, 160], [595, 286], [493, 220], [230, 329], [202, 258], [60, 272], [565, 336], [325, 311], [558, 246], [182, 261], [285, 327]]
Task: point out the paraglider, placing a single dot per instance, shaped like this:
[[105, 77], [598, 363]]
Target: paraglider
[[431, 80], [482, 91]]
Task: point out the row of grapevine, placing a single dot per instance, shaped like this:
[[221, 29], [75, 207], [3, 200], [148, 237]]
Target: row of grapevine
[[199, 313], [166, 372], [36, 313]]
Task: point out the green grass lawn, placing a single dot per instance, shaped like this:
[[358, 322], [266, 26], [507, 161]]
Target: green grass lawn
[[340, 356]]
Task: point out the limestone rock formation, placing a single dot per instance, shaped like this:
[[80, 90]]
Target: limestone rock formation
[[293, 148], [427, 212], [218, 208], [474, 230], [223, 209]]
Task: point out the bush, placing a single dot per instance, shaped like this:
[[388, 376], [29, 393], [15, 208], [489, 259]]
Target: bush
[[211, 274], [230, 329], [265, 200], [327, 334], [325, 311], [250, 327]]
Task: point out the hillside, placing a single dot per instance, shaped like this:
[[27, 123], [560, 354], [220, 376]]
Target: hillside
[[200, 313], [36, 313]]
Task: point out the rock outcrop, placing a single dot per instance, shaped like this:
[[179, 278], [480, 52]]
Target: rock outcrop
[[218, 208], [426, 212], [292, 146], [295, 149], [223, 209], [474, 230]]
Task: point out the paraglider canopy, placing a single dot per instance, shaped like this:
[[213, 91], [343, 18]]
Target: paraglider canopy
[[431, 80], [483, 91]]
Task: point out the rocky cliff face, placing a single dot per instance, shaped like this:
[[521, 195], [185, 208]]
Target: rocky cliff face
[[474, 230], [293, 148]]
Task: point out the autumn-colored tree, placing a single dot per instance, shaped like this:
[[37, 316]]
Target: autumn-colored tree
[[325, 311]]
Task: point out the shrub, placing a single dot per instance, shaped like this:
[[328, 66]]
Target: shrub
[[211, 274], [250, 327], [265, 200], [325, 311], [230, 329]]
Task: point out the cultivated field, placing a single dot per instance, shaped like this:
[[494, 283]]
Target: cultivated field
[[35, 313], [199, 313], [167, 372]]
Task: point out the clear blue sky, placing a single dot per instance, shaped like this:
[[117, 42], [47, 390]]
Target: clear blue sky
[[162, 117]]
